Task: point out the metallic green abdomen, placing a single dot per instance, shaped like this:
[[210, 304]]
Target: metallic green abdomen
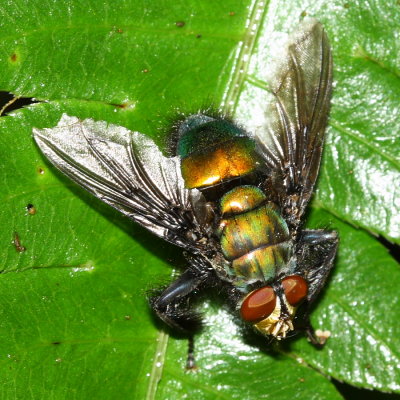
[[214, 151], [254, 237]]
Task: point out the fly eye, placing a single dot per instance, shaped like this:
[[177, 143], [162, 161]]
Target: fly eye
[[259, 304], [295, 289]]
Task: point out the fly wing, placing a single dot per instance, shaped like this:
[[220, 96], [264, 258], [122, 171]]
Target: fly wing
[[291, 139], [126, 170]]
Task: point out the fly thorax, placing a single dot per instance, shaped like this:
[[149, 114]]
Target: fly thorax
[[254, 237]]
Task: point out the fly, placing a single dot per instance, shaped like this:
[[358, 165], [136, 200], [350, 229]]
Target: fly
[[234, 201]]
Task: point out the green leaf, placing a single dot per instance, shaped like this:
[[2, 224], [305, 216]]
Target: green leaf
[[75, 323], [360, 310]]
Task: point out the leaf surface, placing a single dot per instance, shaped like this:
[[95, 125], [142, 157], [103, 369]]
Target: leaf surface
[[75, 323]]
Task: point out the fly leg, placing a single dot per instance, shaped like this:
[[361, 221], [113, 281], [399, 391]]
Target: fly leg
[[172, 306], [315, 259]]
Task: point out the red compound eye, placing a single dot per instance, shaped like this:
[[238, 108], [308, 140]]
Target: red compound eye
[[258, 304], [295, 289]]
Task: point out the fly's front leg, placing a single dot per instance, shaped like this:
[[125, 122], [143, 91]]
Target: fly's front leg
[[315, 259], [172, 306]]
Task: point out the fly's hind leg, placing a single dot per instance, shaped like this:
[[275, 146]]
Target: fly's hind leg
[[172, 305], [316, 253]]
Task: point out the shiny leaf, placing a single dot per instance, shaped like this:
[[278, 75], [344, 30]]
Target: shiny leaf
[[75, 323]]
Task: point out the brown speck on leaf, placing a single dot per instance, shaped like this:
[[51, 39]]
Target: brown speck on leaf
[[303, 14], [145, 71], [232, 13], [31, 209], [128, 317], [122, 105], [40, 171], [116, 30], [346, 5], [17, 243], [180, 24], [302, 380], [13, 57], [198, 36]]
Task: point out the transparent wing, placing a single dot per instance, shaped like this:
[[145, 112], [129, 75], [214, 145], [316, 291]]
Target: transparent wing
[[291, 138], [127, 171]]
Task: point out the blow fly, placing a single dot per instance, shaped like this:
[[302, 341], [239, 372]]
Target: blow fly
[[233, 200]]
